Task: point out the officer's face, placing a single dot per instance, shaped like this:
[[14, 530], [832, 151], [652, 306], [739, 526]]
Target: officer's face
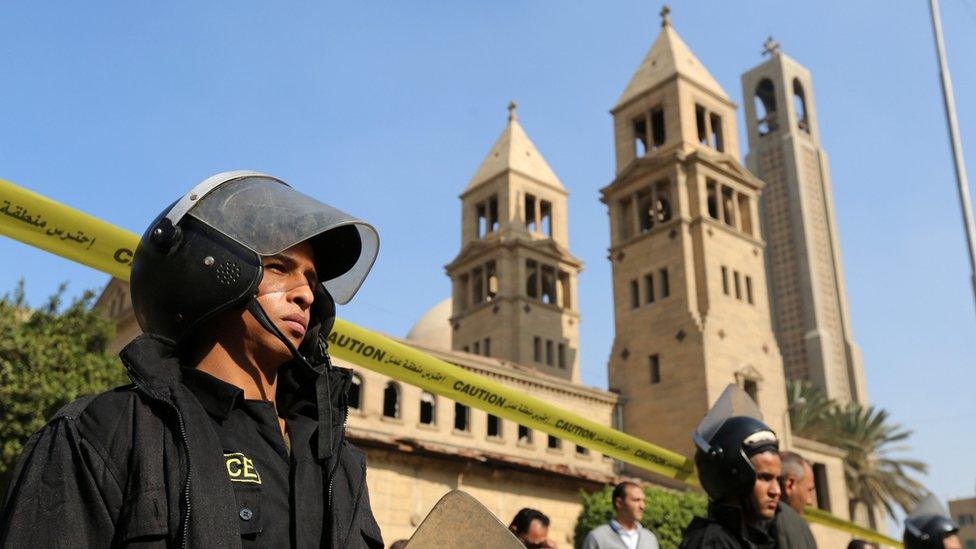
[[952, 542], [765, 493], [285, 294]]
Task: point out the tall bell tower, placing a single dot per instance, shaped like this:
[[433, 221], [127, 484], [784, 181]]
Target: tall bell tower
[[807, 293], [514, 280], [689, 280]]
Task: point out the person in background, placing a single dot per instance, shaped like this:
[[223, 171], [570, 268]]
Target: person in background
[[796, 484], [625, 531], [531, 527]]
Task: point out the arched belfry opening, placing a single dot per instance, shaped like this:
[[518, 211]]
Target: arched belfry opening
[[765, 101], [800, 106]]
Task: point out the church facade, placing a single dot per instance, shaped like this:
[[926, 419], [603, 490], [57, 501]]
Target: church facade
[[698, 301]]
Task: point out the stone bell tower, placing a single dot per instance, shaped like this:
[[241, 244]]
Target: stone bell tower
[[807, 293], [689, 280], [514, 280]]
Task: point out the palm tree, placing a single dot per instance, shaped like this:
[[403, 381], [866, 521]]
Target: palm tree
[[875, 476]]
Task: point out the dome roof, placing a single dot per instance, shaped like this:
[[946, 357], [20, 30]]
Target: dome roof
[[434, 328]]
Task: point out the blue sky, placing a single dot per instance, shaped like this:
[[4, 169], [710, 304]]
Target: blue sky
[[386, 110]]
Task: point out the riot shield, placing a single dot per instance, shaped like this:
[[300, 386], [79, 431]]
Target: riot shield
[[461, 522]]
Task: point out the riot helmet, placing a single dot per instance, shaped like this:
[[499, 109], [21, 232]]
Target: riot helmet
[[203, 254], [730, 433], [928, 525]]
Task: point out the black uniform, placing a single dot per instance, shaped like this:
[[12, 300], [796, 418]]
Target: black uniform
[[725, 529], [173, 462]]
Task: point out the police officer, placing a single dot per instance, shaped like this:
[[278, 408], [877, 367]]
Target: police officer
[[231, 433], [929, 527], [738, 465]]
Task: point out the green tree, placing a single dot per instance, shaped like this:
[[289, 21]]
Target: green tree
[[876, 477], [667, 513], [49, 356]]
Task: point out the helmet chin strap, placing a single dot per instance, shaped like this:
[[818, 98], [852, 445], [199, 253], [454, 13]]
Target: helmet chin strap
[[323, 394]]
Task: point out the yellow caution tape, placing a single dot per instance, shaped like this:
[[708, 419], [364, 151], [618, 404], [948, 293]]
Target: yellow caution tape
[[59, 229]]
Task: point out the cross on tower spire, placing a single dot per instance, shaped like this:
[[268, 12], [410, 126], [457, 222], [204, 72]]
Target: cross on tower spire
[[770, 46], [666, 16], [512, 110]]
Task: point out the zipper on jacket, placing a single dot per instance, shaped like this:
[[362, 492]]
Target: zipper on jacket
[[185, 526]]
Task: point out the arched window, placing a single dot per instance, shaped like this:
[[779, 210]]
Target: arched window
[[391, 400], [800, 106], [765, 100], [428, 407], [354, 397]]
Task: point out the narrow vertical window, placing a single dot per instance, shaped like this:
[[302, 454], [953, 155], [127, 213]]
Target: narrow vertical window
[[700, 123], [718, 142], [634, 295], [354, 397], [662, 206], [463, 292], [531, 222], [800, 106], [752, 389], [524, 435], [645, 210], [658, 134], [553, 443], [738, 286], [545, 217], [493, 214], [821, 487], [549, 353], [765, 103], [532, 278], [749, 289], [537, 349], [728, 208], [625, 218], [487, 346], [648, 288], [548, 285], [561, 358], [428, 405], [712, 200], [654, 363], [461, 417], [477, 285], [476, 347], [391, 400], [665, 283], [725, 280], [640, 137], [481, 219], [494, 426]]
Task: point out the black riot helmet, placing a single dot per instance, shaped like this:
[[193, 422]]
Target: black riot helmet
[[730, 433], [928, 525], [202, 255]]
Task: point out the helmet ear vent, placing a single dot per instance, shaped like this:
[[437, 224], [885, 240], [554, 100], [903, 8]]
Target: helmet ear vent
[[228, 273]]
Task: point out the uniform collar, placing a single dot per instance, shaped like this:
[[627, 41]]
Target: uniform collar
[[216, 396]]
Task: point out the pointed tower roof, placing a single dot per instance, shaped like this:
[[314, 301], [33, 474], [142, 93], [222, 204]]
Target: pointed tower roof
[[513, 150], [669, 56]]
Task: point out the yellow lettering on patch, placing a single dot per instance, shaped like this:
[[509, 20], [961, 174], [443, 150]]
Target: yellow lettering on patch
[[240, 468]]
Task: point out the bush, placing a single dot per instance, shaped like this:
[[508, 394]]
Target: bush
[[48, 357], [667, 513]]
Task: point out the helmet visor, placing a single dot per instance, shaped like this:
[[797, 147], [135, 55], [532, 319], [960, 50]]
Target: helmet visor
[[267, 216], [733, 402]]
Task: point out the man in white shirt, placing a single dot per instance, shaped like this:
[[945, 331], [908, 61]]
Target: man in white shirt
[[624, 531]]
